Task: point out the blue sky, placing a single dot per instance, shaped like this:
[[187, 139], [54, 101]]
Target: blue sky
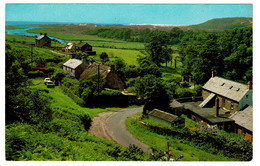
[[125, 13]]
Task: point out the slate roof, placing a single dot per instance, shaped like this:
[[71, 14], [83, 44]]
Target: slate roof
[[40, 37], [244, 118], [163, 115], [226, 88], [73, 63], [207, 114], [92, 68], [81, 44], [175, 104], [70, 45]]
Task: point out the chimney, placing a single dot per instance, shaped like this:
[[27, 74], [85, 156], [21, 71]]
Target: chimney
[[40, 33], [214, 73], [216, 107], [45, 34], [249, 85]]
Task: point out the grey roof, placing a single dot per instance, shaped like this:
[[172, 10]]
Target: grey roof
[[73, 63], [163, 115], [207, 114], [226, 88], [208, 99], [40, 37], [175, 104], [244, 118]]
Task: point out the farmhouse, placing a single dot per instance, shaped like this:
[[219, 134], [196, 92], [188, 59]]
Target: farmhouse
[[84, 47], [233, 96], [112, 79], [165, 118], [43, 41], [75, 66], [244, 122]]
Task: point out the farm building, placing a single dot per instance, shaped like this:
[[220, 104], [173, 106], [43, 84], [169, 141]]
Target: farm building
[[84, 47], [211, 116], [112, 79], [165, 118], [233, 96], [75, 66], [176, 107], [43, 41], [244, 122], [69, 47]]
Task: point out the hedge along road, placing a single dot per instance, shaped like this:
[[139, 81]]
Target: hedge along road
[[112, 126]]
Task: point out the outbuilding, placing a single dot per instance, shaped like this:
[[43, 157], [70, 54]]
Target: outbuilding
[[166, 118]]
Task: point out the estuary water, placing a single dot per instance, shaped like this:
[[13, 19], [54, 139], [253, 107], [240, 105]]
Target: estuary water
[[22, 31]]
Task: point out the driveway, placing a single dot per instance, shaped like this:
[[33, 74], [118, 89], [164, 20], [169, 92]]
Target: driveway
[[112, 126]]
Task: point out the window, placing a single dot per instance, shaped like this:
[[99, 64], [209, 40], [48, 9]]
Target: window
[[231, 87], [231, 105], [222, 84], [238, 89]]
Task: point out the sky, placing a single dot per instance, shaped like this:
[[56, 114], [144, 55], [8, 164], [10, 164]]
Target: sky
[[170, 14]]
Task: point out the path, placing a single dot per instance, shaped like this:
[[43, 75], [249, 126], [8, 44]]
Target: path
[[112, 126]]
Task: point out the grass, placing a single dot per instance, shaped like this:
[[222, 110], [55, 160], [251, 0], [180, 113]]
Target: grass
[[64, 137], [60, 100], [177, 146]]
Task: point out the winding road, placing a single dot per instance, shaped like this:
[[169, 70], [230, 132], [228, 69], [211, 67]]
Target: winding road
[[112, 126]]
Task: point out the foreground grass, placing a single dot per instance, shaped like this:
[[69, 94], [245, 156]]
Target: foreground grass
[[177, 146], [64, 137]]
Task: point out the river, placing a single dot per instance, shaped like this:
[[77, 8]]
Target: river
[[23, 32]]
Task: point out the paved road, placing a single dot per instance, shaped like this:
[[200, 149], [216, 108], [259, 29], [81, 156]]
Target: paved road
[[112, 126]]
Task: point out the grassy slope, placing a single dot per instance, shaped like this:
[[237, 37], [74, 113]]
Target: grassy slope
[[222, 24], [65, 137], [178, 147]]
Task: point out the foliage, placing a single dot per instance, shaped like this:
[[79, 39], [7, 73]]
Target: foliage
[[58, 75], [158, 50], [154, 91], [229, 53], [104, 57]]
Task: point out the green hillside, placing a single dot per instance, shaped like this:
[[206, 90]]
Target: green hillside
[[221, 24]]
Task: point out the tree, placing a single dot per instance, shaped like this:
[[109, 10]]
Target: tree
[[155, 92], [158, 49], [104, 57]]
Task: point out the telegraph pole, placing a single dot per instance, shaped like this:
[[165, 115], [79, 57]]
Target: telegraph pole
[[98, 78]]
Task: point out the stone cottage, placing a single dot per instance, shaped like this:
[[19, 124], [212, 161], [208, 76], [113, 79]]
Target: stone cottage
[[43, 41]]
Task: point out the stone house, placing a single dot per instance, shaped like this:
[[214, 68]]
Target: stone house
[[43, 41], [85, 47], [113, 81], [75, 67], [233, 96], [244, 122]]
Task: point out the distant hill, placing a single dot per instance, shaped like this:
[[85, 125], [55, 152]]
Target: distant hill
[[221, 24]]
